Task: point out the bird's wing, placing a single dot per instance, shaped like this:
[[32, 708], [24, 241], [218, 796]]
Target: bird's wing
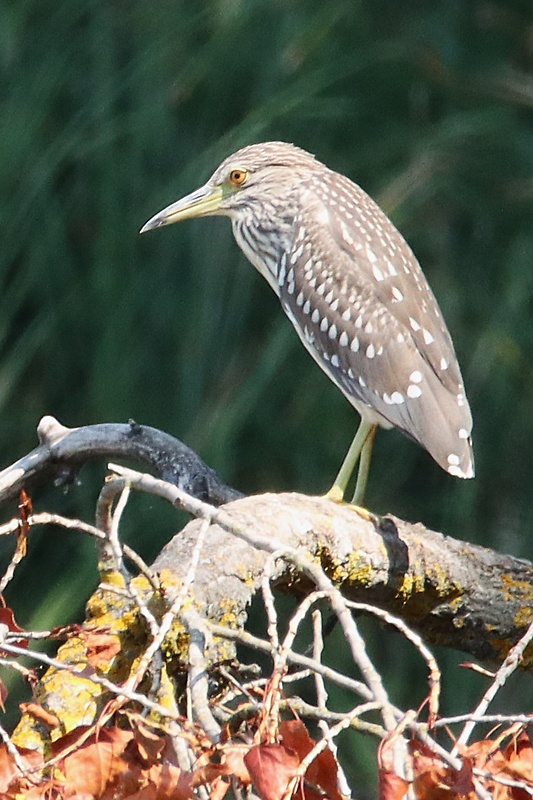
[[376, 329]]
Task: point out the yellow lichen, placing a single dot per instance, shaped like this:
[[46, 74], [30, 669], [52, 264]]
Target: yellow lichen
[[512, 588], [411, 584], [73, 699], [523, 617]]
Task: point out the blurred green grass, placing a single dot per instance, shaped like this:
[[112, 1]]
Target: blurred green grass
[[110, 110]]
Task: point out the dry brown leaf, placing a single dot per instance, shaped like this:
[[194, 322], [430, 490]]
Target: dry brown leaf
[[101, 646], [44, 791], [7, 618], [96, 764], [78, 796], [519, 755], [163, 782], [462, 782], [40, 714], [431, 777], [435, 780], [66, 631], [149, 741], [218, 789], [208, 773], [390, 785], [322, 771], [271, 766], [9, 771], [233, 763]]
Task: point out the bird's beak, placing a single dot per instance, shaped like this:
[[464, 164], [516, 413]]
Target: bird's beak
[[200, 203]]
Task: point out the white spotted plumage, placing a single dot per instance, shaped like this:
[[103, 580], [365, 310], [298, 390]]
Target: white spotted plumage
[[355, 294], [395, 359]]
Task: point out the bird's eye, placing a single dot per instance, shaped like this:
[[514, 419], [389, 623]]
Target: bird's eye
[[238, 176]]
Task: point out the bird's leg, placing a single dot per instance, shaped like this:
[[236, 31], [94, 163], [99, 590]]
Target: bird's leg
[[364, 467], [336, 493]]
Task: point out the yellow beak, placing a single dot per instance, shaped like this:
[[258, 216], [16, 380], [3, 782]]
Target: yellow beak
[[200, 203]]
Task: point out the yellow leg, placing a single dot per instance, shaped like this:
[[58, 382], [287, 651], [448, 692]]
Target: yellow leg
[[357, 450], [364, 467]]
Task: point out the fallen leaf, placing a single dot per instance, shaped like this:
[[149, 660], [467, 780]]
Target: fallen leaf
[[164, 782], [149, 741], [431, 777], [233, 763]]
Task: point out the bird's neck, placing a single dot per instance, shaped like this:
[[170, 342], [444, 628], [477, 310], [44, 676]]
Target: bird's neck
[[264, 244]]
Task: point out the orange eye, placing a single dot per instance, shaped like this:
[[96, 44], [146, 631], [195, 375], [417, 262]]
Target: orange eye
[[238, 176]]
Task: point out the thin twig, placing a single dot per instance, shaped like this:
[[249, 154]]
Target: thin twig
[[322, 701], [329, 673], [416, 640], [47, 518], [15, 755], [268, 602], [489, 719], [505, 670], [111, 553], [198, 682], [272, 545]]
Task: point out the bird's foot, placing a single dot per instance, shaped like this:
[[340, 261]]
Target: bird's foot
[[336, 495]]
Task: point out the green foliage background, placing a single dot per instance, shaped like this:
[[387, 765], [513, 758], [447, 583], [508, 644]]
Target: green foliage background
[[111, 110]]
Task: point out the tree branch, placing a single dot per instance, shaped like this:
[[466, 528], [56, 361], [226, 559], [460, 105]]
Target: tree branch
[[454, 593], [63, 451]]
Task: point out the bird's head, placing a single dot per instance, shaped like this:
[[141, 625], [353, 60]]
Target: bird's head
[[253, 175]]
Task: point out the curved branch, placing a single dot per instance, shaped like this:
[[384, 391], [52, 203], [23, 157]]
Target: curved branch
[[63, 451]]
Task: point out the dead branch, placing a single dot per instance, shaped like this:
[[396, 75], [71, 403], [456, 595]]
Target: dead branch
[[63, 451], [454, 593], [165, 641]]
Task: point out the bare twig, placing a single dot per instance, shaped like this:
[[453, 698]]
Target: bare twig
[[198, 678], [416, 640], [485, 719], [328, 673], [322, 701], [507, 668], [15, 755]]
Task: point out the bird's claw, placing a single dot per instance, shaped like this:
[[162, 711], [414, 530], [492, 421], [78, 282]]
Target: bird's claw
[[336, 495]]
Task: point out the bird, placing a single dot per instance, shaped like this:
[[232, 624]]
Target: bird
[[354, 292]]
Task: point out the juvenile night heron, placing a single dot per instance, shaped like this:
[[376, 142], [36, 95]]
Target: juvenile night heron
[[354, 292]]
